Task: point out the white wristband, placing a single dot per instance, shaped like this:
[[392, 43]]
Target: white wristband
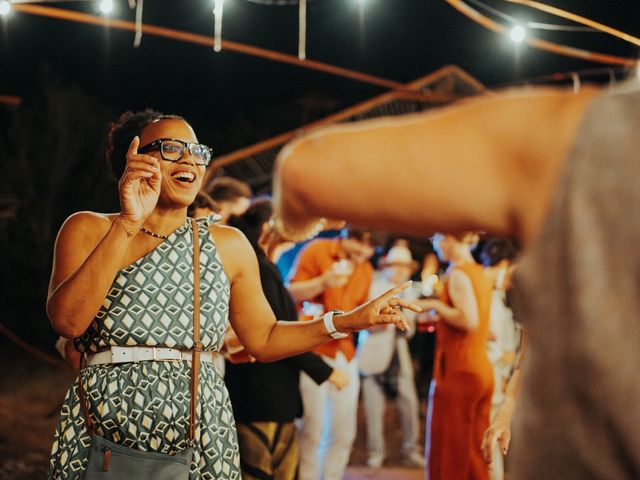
[[327, 318]]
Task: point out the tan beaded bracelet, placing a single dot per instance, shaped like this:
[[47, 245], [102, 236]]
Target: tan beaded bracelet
[[278, 225]]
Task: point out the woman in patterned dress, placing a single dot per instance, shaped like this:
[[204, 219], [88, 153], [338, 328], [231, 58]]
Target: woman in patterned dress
[[125, 280]]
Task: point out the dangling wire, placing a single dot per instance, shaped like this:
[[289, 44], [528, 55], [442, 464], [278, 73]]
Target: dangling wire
[[536, 25], [575, 79], [138, 37], [612, 77], [558, 48], [302, 30], [217, 24], [578, 19]]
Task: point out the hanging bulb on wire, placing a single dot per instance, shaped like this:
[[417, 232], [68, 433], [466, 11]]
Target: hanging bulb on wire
[[106, 6], [138, 38], [5, 8], [218, 7], [518, 33], [302, 30]]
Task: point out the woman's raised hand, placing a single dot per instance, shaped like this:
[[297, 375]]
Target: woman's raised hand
[[139, 186], [386, 309]]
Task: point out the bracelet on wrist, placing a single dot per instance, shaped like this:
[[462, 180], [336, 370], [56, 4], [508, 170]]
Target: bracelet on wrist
[[278, 226], [130, 233]]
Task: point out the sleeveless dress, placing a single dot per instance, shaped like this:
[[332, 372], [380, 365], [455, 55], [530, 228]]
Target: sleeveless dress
[[463, 382], [145, 405]]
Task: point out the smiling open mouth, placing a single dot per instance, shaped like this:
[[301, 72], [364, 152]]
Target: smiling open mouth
[[185, 177]]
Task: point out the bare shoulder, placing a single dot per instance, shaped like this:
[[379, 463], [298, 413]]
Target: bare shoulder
[[85, 227], [233, 247], [460, 284], [457, 276], [78, 236], [228, 237]]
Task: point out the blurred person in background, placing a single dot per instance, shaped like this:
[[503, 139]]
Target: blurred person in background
[[231, 196], [266, 396], [463, 377], [387, 369], [336, 275], [203, 206], [504, 349], [423, 343]]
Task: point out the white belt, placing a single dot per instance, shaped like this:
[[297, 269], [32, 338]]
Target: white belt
[[141, 354]]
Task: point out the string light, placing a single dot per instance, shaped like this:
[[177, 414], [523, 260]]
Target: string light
[[138, 38], [106, 6], [539, 43], [218, 6], [517, 33], [579, 19], [302, 30], [532, 25], [5, 8]]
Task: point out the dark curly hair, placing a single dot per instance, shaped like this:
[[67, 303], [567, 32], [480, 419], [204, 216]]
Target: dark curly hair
[[497, 249], [121, 133], [224, 189], [202, 200], [250, 222]]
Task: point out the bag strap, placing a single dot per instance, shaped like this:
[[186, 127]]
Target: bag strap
[[195, 358], [84, 406], [197, 346]]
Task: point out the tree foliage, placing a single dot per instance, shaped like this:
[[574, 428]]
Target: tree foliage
[[52, 164]]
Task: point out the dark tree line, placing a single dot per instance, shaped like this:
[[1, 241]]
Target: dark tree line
[[51, 164]]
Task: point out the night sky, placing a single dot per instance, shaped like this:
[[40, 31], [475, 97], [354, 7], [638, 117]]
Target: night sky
[[234, 100]]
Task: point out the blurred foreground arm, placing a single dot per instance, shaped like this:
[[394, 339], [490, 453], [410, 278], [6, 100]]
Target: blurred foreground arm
[[489, 163]]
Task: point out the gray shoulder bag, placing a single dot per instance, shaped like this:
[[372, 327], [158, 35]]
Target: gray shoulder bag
[[110, 461]]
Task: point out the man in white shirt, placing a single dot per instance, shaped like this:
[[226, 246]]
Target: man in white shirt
[[386, 367]]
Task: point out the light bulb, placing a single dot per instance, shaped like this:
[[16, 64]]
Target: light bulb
[[5, 8], [106, 6], [217, 7], [518, 33]]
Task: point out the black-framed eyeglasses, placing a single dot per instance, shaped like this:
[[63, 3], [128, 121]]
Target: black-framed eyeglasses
[[172, 150]]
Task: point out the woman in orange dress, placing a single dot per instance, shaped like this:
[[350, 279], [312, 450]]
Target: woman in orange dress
[[463, 377]]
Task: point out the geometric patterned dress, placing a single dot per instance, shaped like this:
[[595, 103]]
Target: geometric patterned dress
[[145, 405]]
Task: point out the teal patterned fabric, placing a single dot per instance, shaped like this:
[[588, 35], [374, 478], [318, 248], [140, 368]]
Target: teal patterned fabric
[[145, 405]]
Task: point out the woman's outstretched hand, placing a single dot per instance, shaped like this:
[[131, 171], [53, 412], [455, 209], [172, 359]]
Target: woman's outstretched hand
[[139, 186], [499, 432], [383, 310]]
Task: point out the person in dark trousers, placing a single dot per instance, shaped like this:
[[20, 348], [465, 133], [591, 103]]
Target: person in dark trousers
[[266, 396]]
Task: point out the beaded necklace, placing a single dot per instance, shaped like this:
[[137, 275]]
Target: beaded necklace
[[153, 234]]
